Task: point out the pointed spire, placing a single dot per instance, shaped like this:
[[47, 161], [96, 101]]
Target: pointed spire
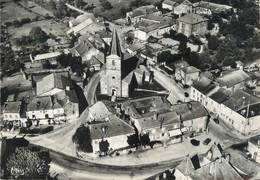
[[115, 47]]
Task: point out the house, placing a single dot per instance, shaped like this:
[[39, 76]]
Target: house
[[142, 74], [191, 169], [201, 89], [135, 48], [89, 25], [192, 24], [183, 8], [14, 112], [233, 80], [254, 148], [119, 79], [168, 42], [135, 15], [114, 131], [87, 49], [205, 7], [215, 100], [81, 18], [61, 87], [169, 4], [99, 112], [242, 111], [152, 116], [188, 75], [41, 58], [40, 108], [154, 29], [193, 115]]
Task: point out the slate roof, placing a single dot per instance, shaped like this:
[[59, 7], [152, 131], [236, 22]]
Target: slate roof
[[232, 78], [115, 47], [40, 103], [236, 101], [169, 2], [214, 152], [82, 25], [114, 127], [254, 140], [197, 110], [221, 95], [178, 64], [190, 69], [186, 167], [204, 85], [192, 18], [12, 107], [164, 118], [83, 48], [47, 56], [51, 81], [219, 169], [99, 110]]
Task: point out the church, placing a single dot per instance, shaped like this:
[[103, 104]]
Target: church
[[120, 71]]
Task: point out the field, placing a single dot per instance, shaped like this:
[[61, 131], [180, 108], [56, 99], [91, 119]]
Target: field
[[36, 8], [49, 26], [116, 11], [11, 11]]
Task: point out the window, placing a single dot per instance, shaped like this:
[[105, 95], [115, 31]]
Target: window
[[162, 134], [113, 63], [16, 116], [10, 116], [113, 77], [6, 116], [193, 90]]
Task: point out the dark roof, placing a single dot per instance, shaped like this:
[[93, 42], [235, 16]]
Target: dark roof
[[190, 69], [115, 47], [197, 110], [192, 18], [170, 2], [221, 95], [186, 167], [255, 140], [40, 103], [232, 78], [83, 47], [114, 127], [12, 107], [214, 152], [178, 64], [204, 85], [241, 101]]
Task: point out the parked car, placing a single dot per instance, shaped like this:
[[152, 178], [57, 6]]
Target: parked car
[[216, 120], [195, 142], [207, 141]]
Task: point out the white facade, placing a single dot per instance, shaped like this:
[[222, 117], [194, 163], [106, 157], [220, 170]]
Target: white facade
[[179, 176], [40, 114], [254, 151], [167, 6]]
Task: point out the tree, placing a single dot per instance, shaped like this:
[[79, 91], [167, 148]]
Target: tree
[[106, 5], [61, 9], [38, 34], [133, 140], [184, 50], [213, 42], [104, 146], [145, 139], [28, 163], [82, 138]]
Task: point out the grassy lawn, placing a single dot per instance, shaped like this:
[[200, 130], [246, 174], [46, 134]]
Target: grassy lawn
[[36, 8], [115, 12], [10, 11], [49, 26]]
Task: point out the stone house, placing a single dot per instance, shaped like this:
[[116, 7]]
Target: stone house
[[254, 148]]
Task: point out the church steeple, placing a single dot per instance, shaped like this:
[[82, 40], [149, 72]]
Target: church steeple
[[115, 48]]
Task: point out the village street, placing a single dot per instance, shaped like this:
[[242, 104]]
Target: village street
[[176, 92]]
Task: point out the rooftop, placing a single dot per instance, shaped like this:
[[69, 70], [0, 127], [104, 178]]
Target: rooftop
[[192, 18], [51, 81], [221, 95], [232, 78], [40, 103], [204, 85], [190, 69], [170, 2], [178, 64], [244, 103], [115, 47], [255, 140], [190, 110], [113, 127], [47, 56], [169, 42], [12, 107], [99, 110]]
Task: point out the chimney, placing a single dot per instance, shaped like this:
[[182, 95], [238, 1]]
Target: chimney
[[244, 102], [155, 116], [67, 88]]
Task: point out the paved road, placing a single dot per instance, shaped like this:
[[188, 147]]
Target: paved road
[[90, 89], [168, 83], [75, 9], [101, 171]]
